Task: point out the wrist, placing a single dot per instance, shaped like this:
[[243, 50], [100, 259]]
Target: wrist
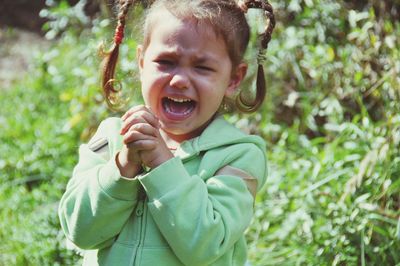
[[158, 160]]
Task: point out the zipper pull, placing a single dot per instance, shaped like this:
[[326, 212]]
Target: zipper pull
[[142, 198], [139, 209]]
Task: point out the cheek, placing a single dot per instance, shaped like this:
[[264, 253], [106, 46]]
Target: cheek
[[152, 87], [145, 95], [149, 81], [214, 89], [211, 99], [152, 76]]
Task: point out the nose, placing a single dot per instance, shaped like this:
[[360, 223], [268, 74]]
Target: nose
[[180, 80]]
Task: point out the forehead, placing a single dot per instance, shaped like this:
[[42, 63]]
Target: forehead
[[168, 30], [162, 19]]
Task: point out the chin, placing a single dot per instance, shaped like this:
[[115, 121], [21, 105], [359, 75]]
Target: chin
[[175, 131], [180, 134]]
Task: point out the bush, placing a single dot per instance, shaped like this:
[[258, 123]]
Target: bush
[[333, 127]]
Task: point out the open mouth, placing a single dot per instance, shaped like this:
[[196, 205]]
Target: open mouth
[[178, 108]]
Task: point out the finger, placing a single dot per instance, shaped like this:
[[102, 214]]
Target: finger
[[145, 129], [132, 110], [140, 131], [141, 116], [136, 136], [142, 145], [139, 109], [133, 136], [135, 118], [150, 118]]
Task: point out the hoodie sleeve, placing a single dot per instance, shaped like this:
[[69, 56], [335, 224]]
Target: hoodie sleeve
[[202, 216], [98, 200]]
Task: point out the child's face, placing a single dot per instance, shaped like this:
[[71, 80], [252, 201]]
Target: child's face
[[185, 72]]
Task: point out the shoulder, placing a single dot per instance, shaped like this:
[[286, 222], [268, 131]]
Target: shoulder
[[248, 156], [110, 125], [222, 133], [229, 146], [107, 134]]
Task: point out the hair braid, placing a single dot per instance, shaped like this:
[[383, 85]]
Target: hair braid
[[242, 104], [111, 57]]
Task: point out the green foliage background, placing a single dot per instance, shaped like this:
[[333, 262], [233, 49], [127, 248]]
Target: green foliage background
[[331, 121]]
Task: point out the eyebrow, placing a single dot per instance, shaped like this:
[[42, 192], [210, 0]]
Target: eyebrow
[[199, 59], [203, 59]]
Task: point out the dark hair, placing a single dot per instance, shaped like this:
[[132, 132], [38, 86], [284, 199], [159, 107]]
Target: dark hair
[[227, 19], [265, 38], [110, 58]]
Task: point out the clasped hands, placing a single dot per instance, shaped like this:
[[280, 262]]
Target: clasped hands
[[143, 144]]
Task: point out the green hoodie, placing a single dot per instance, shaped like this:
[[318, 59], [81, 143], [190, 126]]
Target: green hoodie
[[187, 211]]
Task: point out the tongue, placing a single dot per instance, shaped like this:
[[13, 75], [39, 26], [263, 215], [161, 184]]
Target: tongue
[[178, 108]]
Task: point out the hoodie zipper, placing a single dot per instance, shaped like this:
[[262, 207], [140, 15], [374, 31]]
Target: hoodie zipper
[[140, 214]]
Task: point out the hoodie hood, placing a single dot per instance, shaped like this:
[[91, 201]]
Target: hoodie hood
[[219, 133]]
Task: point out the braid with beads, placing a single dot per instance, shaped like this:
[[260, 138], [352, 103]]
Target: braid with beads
[[111, 57], [242, 104]]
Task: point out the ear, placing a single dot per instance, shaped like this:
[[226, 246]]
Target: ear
[[140, 58], [237, 76]]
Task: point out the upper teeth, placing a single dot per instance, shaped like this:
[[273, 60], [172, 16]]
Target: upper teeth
[[179, 100]]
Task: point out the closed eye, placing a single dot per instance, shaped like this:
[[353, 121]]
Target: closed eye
[[205, 68], [164, 62]]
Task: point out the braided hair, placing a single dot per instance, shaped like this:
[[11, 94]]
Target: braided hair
[[111, 57], [241, 103]]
